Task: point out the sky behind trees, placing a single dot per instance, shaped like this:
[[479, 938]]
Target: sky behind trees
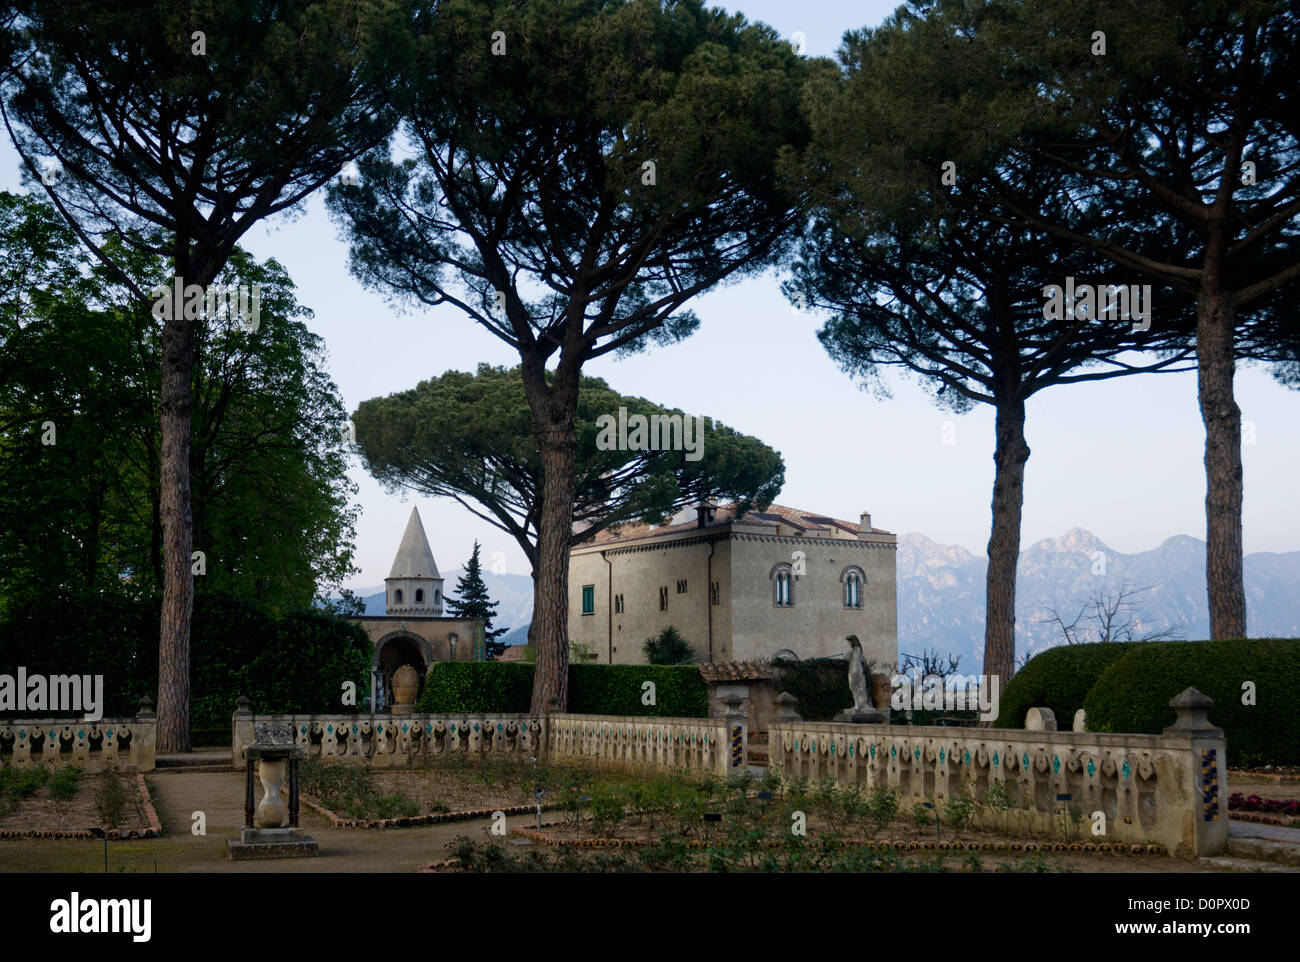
[[1121, 458]]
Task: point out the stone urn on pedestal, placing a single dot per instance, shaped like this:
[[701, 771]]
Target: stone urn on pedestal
[[406, 685]]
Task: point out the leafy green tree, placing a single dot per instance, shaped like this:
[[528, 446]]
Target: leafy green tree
[[472, 601], [1176, 118], [198, 121], [914, 279], [572, 191], [470, 437], [267, 455], [668, 648]]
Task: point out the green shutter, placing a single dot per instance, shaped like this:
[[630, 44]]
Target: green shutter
[[588, 599]]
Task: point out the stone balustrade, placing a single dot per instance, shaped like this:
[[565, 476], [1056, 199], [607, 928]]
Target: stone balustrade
[[1169, 789], [397, 741], [633, 742], [123, 743]]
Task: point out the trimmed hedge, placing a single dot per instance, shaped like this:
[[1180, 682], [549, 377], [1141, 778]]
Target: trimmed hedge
[[680, 691], [1133, 694], [495, 686], [1059, 679], [293, 663], [820, 684], [476, 686]]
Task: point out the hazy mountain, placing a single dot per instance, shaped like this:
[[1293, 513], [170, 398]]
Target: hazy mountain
[[941, 592]]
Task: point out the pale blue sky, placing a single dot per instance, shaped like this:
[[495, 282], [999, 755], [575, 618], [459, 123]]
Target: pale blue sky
[[1120, 458]]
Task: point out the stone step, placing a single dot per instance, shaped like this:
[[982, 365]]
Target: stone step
[[189, 761], [193, 769]]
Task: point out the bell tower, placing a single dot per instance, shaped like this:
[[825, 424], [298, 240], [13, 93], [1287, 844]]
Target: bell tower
[[414, 586]]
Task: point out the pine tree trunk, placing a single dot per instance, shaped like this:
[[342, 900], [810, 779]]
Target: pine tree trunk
[[553, 412], [178, 580], [1009, 457], [1224, 563]]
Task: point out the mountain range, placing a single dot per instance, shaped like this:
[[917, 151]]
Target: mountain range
[[941, 594]]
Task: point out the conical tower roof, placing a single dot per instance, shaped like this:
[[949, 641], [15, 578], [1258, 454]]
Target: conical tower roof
[[414, 556]]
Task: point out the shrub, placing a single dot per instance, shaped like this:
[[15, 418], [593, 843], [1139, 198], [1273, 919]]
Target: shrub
[[477, 686], [1059, 679], [680, 691], [1133, 694], [292, 662], [65, 782], [668, 648], [820, 684], [494, 686], [110, 800]]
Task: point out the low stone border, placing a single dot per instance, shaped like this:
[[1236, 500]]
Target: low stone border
[[115, 834], [1265, 818], [339, 821], [884, 845], [1280, 778]]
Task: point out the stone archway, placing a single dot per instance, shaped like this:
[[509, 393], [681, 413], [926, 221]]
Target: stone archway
[[395, 649]]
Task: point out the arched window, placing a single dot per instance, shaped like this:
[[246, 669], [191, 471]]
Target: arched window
[[782, 586], [419, 596], [853, 579], [397, 595]]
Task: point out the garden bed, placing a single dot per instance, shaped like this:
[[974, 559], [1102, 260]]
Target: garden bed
[[36, 802]]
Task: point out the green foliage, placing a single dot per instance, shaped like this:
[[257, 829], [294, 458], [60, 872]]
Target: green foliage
[[472, 601], [65, 782], [295, 662], [468, 686], [472, 435], [820, 684], [958, 811], [1133, 694], [1060, 679], [668, 648], [680, 691], [923, 817], [85, 510], [110, 799]]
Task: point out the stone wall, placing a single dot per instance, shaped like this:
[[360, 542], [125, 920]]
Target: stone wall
[[630, 742], [1170, 789], [396, 741], [123, 743]]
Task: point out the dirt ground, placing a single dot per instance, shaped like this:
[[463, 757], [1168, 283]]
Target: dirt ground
[[40, 811]]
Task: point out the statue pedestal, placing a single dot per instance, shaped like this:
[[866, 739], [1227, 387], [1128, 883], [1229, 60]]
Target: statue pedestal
[[869, 716]]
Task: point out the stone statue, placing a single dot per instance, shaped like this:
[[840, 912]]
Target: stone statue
[[859, 680], [863, 711]]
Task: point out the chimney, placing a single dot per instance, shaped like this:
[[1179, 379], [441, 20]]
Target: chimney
[[704, 515], [864, 522]]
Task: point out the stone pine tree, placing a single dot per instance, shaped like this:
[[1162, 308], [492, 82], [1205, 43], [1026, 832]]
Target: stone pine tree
[[915, 281], [472, 601], [1173, 111], [197, 121], [580, 170], [469, 437]]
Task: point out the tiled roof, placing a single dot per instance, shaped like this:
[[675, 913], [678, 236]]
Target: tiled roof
[[737, 671], [814, 525], [512, 653]]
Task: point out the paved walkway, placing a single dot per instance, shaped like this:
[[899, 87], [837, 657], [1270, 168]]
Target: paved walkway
[[220, 796]]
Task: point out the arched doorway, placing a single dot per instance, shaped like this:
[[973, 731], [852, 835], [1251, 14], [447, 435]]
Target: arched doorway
[[394, 650]]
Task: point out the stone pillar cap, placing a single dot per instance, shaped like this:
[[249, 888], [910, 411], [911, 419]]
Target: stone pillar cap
[[1191, 707]]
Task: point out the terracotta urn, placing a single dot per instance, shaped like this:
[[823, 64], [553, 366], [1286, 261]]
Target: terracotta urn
[[406, 684]]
